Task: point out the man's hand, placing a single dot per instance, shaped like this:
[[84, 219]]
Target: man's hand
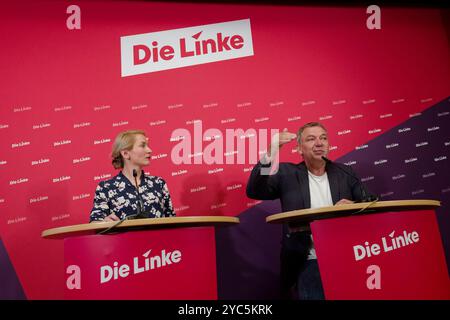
[[111, 217], [344, 201], [280, 139]]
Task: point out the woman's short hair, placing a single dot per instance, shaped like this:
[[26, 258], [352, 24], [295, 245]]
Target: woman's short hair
[[308, 125], [124, 141]]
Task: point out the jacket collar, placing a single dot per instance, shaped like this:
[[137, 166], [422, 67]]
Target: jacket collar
[[302, 178]]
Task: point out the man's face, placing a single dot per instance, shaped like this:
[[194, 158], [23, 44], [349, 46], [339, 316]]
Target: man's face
[[314, 144]]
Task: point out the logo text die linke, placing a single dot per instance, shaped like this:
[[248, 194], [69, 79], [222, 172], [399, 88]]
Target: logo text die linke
[[170, 49], [140, 264]]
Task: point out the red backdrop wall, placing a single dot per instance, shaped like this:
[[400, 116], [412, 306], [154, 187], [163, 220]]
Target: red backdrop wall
[[63, 100]]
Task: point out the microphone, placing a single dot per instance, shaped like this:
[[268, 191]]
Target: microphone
[[140, 209], [140, 203], [365, 197]]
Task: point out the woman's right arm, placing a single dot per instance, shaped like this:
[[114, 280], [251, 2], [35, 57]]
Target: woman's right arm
[[101, 211]]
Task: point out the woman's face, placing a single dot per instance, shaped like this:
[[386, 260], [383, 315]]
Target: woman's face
[[141, 153]]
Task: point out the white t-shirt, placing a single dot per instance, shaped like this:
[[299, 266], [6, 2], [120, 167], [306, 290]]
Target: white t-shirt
[[320, 193]]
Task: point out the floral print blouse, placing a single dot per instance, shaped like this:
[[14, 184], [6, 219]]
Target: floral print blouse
[[117, 195]]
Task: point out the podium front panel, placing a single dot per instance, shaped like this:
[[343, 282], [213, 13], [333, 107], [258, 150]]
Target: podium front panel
[[162, 264], [396, 255]]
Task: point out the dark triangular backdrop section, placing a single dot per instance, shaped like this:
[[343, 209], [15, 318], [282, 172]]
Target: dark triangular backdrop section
[[10, 287], [411, 161]]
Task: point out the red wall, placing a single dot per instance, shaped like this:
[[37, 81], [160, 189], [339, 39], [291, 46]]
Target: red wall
[[309, 63]]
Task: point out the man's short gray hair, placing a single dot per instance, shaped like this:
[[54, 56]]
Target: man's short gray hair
[[308, 125]]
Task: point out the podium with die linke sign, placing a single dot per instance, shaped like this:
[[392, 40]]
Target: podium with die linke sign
[[395, 252], [161, 259]]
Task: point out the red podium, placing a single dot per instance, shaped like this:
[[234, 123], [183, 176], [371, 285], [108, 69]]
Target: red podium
[[394, 253], [161, 259]]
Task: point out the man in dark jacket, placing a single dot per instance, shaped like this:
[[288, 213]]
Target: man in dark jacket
[[313, 183]]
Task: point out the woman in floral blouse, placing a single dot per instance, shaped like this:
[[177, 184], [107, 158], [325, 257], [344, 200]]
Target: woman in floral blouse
[[119, 197]]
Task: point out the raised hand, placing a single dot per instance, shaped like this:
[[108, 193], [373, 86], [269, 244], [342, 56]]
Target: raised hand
[[280, 139]]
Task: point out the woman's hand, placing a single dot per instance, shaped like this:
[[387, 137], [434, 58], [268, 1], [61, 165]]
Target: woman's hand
[[111, 217]]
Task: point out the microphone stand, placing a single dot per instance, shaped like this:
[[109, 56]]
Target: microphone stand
[[364, 196], [140, 203], [140, 209]]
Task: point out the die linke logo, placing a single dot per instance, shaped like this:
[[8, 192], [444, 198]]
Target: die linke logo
[[157, 51], [140, 264], [391, 243]]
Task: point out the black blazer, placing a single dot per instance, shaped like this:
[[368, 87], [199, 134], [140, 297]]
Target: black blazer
[[290, 184]]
